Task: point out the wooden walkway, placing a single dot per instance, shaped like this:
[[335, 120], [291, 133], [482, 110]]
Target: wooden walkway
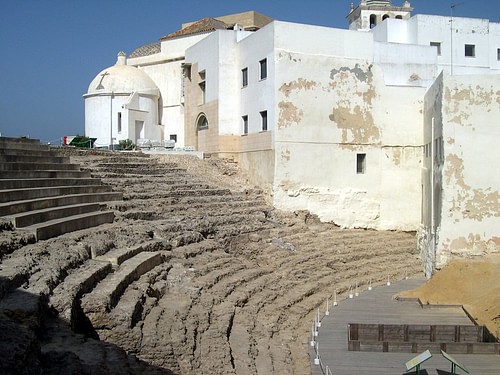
[[377, 306]]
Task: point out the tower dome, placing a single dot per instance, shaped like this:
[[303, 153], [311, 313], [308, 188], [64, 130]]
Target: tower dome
[[121, 78]]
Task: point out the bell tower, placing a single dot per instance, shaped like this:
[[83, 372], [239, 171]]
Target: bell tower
[[369, 13]]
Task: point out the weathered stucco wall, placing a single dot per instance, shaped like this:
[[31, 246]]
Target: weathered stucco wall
[[432, 166], [331, 108], [471, 130]]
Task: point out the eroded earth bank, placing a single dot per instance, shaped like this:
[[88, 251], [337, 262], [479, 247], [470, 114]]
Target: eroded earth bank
[[197, 275]]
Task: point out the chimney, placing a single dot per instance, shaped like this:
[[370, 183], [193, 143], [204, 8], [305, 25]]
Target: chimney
[[121, 58]]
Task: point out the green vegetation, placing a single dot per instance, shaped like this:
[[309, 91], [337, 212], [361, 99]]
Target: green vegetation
[[126, 145]]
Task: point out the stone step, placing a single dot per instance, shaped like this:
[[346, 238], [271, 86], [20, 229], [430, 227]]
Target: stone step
[[65, 297], [31, 174], [44, 151], [24, 158], [13, 143], [118, 256], [13, 166], [117, 164], [98, 303], [118, 170], [56, 227], [46, 182], [11, 208], [42, 192], [39, 216]]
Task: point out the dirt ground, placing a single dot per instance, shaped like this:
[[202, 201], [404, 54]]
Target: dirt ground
[[473, 283], [235, 292]]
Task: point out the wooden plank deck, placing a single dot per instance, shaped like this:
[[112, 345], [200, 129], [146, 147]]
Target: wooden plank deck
[[377, 306]]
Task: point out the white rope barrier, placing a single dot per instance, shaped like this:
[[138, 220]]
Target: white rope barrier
[[325, 369]]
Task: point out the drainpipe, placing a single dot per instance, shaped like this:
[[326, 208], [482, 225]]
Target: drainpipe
[[433, 229]]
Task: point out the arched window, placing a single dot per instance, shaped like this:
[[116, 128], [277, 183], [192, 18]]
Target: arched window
[[373, 21], [201, 122], [399, 17], [385, 16]]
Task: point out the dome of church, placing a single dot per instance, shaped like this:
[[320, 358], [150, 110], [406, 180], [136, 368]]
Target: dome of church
[[121, 78]]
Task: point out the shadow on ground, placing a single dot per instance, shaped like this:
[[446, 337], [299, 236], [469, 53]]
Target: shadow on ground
[[33, 340]]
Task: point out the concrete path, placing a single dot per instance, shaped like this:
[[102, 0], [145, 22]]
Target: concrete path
[[377, 306]]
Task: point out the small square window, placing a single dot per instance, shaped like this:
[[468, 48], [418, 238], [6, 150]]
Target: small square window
[[470, 50], [360, 163], [244, 77], [245, 124], [119, 122], [263, 116], [173, 137], [438, 46], [263, 69], [202, 90]]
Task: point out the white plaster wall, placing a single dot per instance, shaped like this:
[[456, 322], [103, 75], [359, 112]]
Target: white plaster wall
[[259, 94], [222, 76], [318, 40], [406, 65], [323, 96], [471, 130], [228, 83], [171, 48], [168, 77], [391, 31], [494, 46], [432, 166], [97, 117], [465, 31]]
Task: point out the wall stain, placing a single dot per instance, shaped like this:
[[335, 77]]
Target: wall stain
[[352, 112], [473, 204], [288, 115], [474, 242], [360, 74], [285, 155], [396, 155], [358, 123], [300, 84], [459, 98]]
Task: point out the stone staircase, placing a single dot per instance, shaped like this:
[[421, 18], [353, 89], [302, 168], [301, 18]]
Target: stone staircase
[[44, 194]]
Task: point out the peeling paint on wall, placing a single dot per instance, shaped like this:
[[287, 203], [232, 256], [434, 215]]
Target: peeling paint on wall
[[460, 99], [396, 155], [299, 84], [352, 112], [287, 55], [288, 115], [285, 155], [357, 125], [474, 204], [330, 204], [474, 244], [361, 75], [455, 170]]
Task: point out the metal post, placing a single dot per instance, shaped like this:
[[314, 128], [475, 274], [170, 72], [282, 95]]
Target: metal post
[[111, 121]]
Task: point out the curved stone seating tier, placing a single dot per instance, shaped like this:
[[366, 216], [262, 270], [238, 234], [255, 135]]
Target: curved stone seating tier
[[45, 194]]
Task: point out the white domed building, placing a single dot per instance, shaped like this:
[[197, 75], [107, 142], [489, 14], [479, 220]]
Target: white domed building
[[122, 103]]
